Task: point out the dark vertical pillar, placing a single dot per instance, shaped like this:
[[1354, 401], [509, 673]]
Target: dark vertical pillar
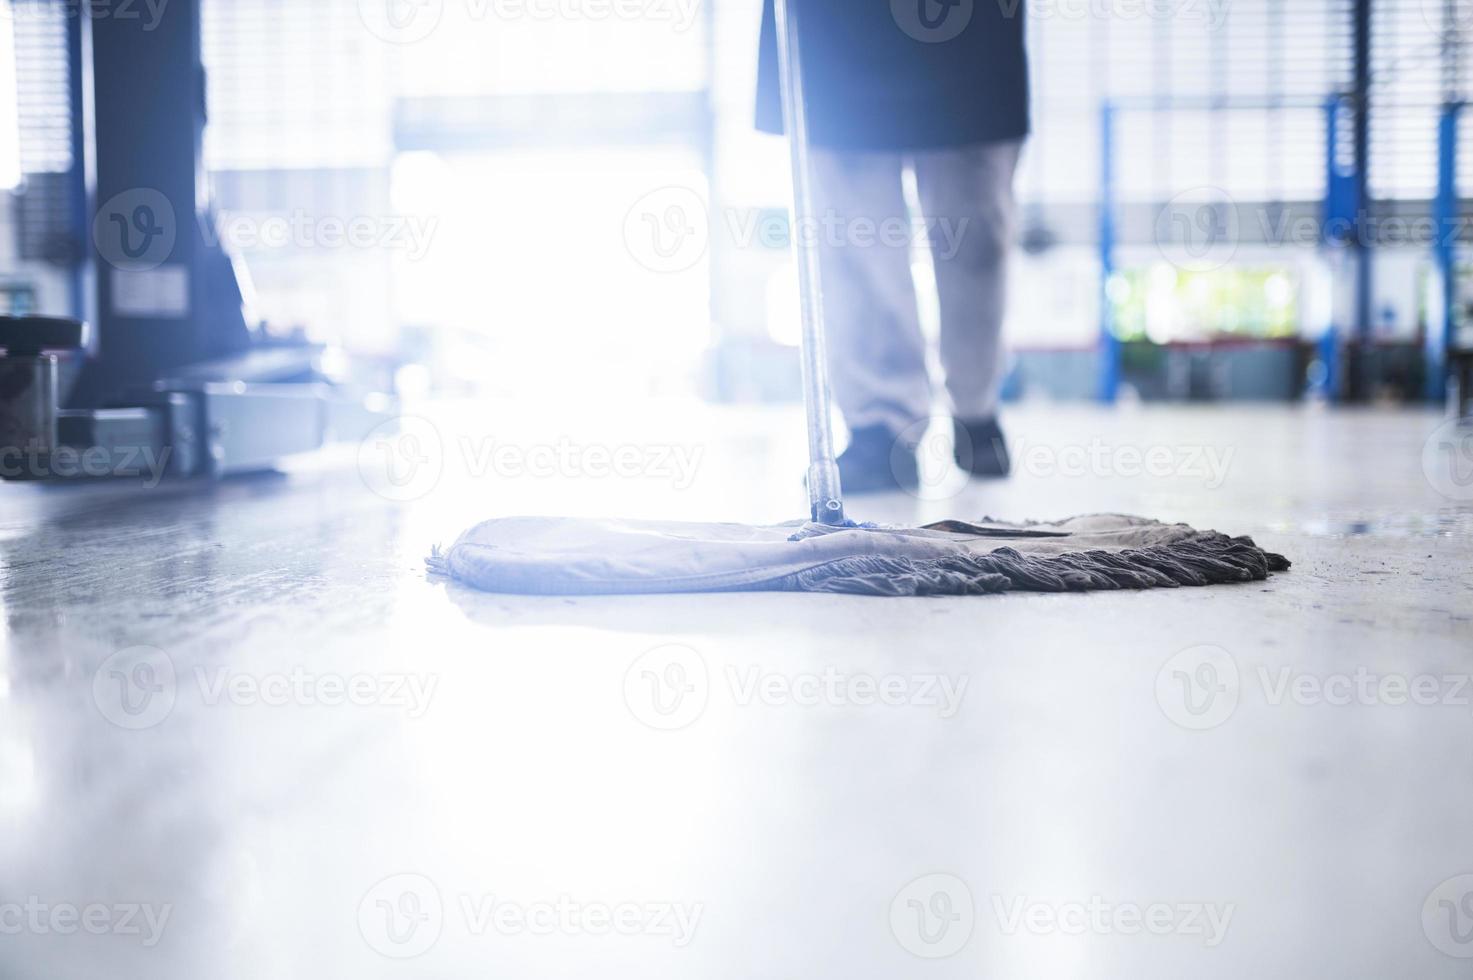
[[147, 89], [83, 178], [1358, 380]]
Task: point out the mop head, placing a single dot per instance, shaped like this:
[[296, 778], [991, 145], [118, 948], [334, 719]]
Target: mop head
[[555, 556]]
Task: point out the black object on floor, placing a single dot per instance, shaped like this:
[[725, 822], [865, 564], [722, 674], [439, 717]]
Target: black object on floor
[[980, 448], [876, 461]]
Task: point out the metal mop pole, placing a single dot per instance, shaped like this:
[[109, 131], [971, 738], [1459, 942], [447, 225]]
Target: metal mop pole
[[825, 498]]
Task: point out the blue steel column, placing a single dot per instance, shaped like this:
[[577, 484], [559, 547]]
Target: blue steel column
[[81, 180], [1363, 250], [1109, 343], [1341, 204], [1439, 336]]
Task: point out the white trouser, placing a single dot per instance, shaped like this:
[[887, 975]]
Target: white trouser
[[877, 353]]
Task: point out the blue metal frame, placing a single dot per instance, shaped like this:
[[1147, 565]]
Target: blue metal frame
[[1109, 381], [1439, 337], [1341, 205], [1342, 201], [1360, 105]]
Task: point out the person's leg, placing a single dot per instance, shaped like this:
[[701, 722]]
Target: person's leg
[[877, 354], [967, 197]]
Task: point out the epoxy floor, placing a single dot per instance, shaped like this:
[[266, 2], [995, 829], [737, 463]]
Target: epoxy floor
[[242, 734]]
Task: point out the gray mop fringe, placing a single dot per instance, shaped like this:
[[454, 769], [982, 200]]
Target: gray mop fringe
[[1206, 559]]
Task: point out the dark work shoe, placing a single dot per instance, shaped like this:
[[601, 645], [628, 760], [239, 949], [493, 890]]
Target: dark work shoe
[[877, 461], [980, 448]]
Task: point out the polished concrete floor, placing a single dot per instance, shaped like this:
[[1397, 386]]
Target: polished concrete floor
[[242, 733]]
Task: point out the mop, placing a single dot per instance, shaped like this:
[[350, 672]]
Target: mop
[[829, 552]]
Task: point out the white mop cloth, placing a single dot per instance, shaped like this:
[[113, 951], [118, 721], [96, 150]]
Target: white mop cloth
[[559, 556]]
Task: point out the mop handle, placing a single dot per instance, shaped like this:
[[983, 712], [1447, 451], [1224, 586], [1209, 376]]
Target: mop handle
[[825, 499]]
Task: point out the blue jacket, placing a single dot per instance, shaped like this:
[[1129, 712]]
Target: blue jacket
[[903, 74]]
